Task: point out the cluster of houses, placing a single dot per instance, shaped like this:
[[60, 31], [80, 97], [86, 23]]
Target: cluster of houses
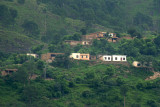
[[87, 39], [49, 57]]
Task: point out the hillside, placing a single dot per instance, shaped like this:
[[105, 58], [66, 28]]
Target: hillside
[[81, 53], [48, 20], [116, 14], [11, 41], [32, 20]]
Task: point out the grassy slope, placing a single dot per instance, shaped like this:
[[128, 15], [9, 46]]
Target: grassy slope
[[11, 41], [143, 6], [131, 78], [33, 12]]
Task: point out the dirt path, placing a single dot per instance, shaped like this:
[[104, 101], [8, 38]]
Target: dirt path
[[156, 75]]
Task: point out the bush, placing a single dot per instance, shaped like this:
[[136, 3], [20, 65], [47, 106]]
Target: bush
[[21, 1], [87, 94]]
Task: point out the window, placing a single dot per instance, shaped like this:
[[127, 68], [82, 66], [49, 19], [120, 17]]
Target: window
[[86, 56], [138, 64], [76, 56], [124, 59], [109, 58], [115, 58], [82, 56], [105, 58], [53, 55]]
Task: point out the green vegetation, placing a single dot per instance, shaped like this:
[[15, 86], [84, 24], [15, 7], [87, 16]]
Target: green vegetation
[[11, 41], [80, 85], [41, 26]]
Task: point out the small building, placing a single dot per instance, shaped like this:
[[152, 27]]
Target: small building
[[80, 56], [140, 64], [119, 58], [96, 35], [8, 72], [101, 34], [34, 55], [49, 57], [113, 37], [136, 64], [74, 43], [107, 58], [112, 34], [92, 57], [86, 43]]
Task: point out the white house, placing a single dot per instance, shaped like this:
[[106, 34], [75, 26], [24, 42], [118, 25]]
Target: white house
[[34, 55], [119, 58], [107, 58], [75, 55]]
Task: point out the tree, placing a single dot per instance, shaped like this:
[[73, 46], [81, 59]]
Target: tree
[[157, 41], [21, 75], [76, 37], [36, 49], [156, 4], [142, 20], [31, 69], [32, 93], [31, 28], [40, 65], [62, 61], [21, 1], [7, 15], [83, 31], [124, 90], [133, 32]]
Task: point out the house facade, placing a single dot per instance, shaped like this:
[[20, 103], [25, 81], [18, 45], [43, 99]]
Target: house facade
[[79, 56], [86, 43], [95, 35], [74, 43], [119, 58], [8, 72], [84, 57], [49, 57], [107, 58], [136, 64], [75, 56], [34, 55]]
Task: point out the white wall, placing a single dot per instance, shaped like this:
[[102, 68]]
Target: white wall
[[75, 55], [119, 58], [34, 55], [107, 58]]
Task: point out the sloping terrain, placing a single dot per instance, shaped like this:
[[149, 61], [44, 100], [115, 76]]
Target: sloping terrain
[[14, 42]]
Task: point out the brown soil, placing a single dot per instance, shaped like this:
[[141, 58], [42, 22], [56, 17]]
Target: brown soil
[[155, 76]]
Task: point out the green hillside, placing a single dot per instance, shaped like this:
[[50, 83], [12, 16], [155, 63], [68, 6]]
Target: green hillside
[[42, 26], [47, 20], [46, 25], [116, 14], [11, 41]]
